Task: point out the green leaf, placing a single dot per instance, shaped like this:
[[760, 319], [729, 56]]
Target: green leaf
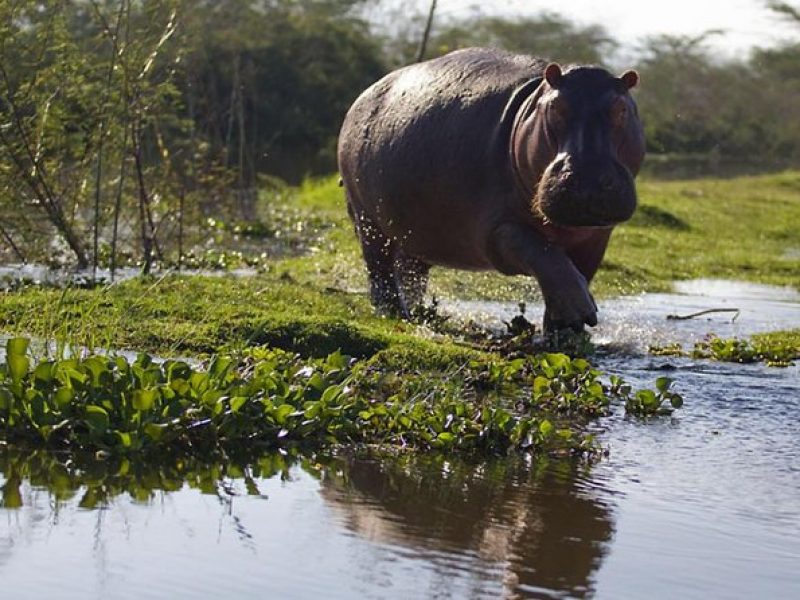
[[546, 428], [180, 386], [155, 431], [199, 382], [663, 383], [647, 398], [336, 360], [63, 396], [211, 397], [330, 394], [17, 346], [446, 438], [6, 398], [557, 360], [177, 370], [541, 385], [312, 409], [124, 438], [219, 366], [237, 402], [282, 412], [144, 399], [316, 382], [581, 364], [44, 372], [18, 365], [96, 417], [72, 376]]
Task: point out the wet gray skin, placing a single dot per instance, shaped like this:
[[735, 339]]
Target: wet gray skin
[[482, 159]]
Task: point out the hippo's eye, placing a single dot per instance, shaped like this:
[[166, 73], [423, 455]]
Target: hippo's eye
[[557, 112], [619, 113]]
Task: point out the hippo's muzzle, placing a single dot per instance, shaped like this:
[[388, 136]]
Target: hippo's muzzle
[[585, 195]]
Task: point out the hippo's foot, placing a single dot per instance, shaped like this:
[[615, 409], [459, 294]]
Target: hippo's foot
[[411, 279], [385, 297], [570, 308]]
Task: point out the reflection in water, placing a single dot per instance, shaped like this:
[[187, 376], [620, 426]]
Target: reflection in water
[[503, 526], [535, 522]]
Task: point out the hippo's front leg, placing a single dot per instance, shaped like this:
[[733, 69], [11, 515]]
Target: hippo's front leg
[[518, 249]]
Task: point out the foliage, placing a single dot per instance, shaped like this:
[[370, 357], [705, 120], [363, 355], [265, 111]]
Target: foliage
[[697, 105], [777, 349], [648, 403], [269, 83], [83, 92], [128, 124], [548, 35], [272, 398]]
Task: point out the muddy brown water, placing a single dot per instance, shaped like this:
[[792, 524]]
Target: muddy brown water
[[704, 504]]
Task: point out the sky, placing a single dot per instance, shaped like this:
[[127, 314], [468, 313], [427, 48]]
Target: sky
[[747, 23]]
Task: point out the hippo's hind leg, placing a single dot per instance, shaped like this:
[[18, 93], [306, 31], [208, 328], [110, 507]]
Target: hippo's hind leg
[[411, 276], [378, 252]]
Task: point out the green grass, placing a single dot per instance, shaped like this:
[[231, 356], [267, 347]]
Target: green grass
[[743, 228]]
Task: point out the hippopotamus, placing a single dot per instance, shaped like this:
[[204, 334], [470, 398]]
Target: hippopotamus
[[483, 159]]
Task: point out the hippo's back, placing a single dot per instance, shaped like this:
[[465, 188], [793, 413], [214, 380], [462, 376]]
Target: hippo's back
[[439, 101]]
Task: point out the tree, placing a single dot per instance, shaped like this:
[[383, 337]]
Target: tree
[[270, 85], [784, 8], [548, 36]]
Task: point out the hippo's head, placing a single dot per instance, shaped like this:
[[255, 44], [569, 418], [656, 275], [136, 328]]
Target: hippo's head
[[586, 141]]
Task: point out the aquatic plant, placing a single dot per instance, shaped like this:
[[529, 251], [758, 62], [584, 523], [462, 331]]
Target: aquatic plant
[[265, 397], [648, 403], [777, 349]]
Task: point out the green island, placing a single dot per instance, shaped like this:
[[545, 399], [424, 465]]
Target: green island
[[293, 355]]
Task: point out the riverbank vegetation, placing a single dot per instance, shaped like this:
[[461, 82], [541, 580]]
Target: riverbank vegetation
[[268, 398]]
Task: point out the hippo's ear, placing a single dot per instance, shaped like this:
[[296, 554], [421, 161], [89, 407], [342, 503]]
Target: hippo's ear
[[552, 73], [630, 79]]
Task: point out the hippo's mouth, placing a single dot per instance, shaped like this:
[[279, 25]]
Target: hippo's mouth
[[568, 199]]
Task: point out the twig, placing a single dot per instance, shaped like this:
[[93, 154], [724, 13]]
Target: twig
[[10, 241], [705, 312]]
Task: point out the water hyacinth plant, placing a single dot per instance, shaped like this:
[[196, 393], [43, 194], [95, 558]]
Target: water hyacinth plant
[[272, 398], [778, 349]]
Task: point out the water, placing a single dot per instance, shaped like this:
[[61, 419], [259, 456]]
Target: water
[[705, 504], [12, 275]]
